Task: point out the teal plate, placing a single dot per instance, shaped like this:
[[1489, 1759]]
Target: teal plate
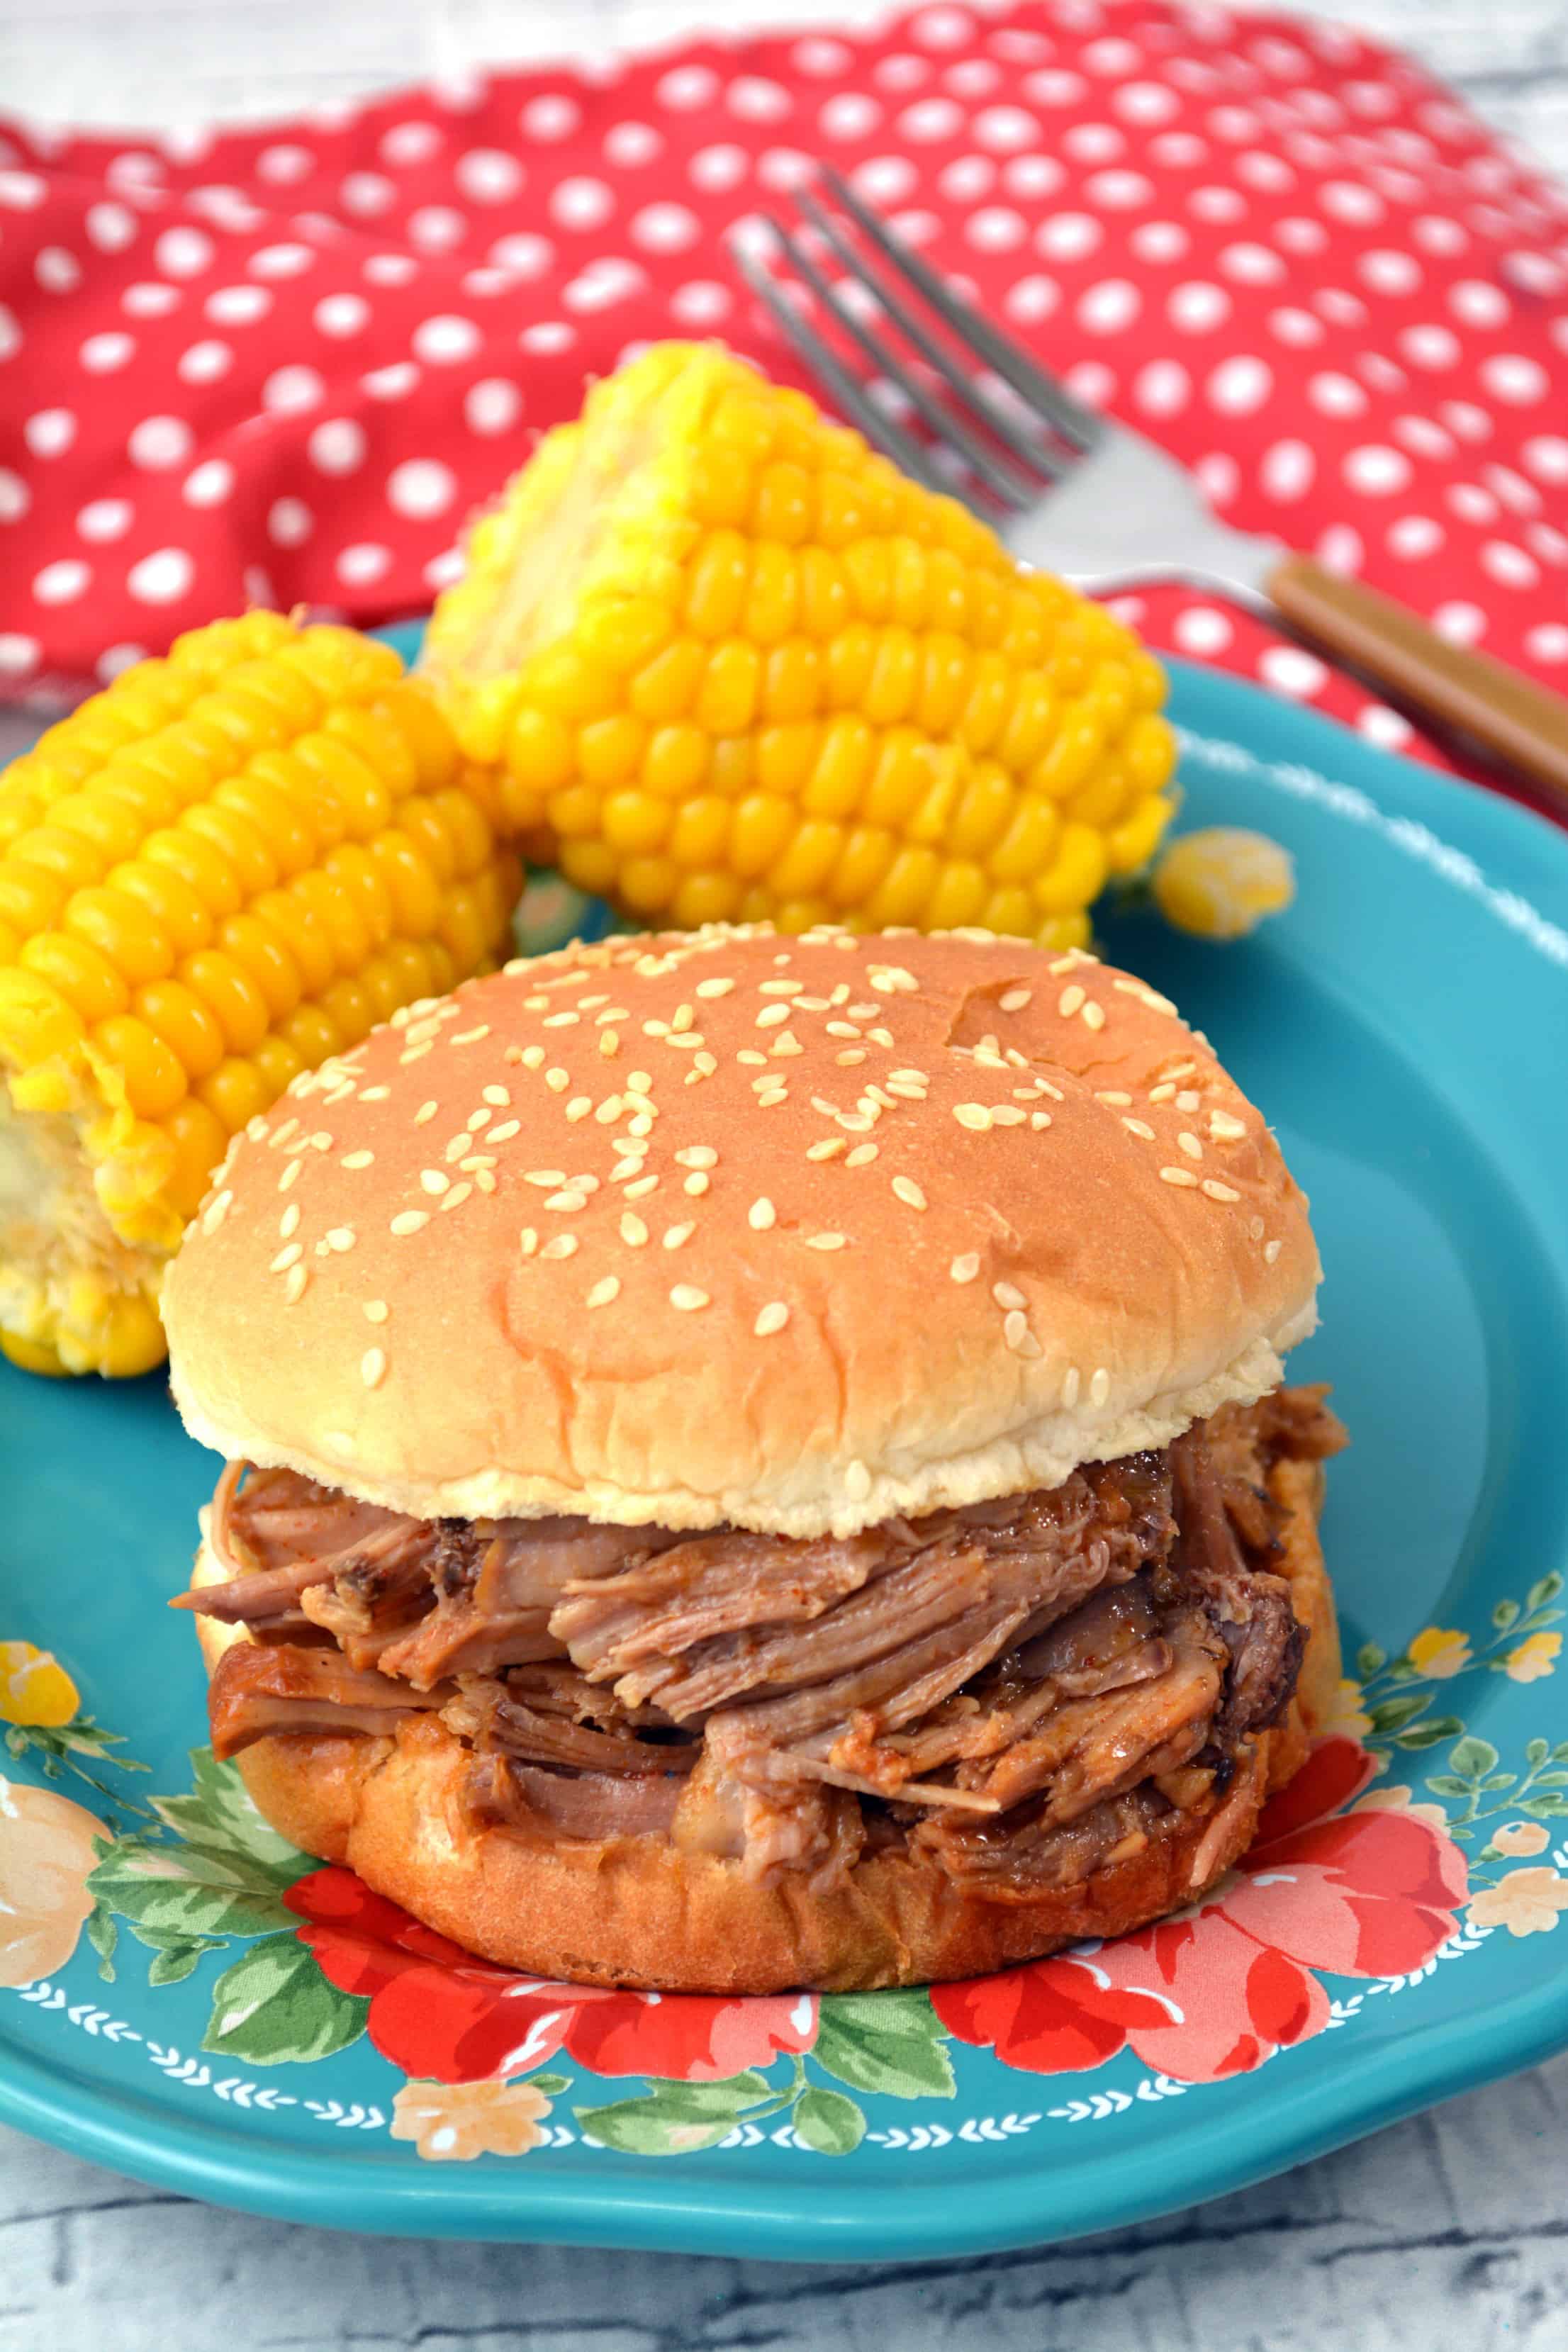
[[215, 2013]]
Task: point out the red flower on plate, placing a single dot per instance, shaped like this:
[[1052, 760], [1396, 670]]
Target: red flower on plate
[[1216, 1991], [443, 2016]]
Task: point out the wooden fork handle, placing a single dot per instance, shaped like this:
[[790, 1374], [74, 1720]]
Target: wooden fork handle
[[1511, 715]]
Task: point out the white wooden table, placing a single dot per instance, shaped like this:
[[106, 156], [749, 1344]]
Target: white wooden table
[[1448, 2232]]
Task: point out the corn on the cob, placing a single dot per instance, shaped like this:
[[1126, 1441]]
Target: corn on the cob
[[212, 876], [736, 665]]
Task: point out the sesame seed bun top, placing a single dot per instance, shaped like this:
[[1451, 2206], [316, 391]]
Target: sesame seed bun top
[[793, 1234]]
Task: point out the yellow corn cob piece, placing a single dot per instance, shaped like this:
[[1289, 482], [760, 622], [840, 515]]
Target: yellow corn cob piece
[[735, 665], [213, 876]]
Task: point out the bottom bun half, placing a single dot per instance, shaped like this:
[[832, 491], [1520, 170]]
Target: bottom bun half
[[634, 1911]]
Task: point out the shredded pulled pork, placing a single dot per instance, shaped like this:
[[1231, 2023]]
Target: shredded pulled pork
[[1023, 1690]]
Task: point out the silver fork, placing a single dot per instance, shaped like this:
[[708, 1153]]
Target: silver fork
[[1090, 499]]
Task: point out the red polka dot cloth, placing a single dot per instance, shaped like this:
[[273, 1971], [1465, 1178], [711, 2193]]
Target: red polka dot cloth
[[280, 366]]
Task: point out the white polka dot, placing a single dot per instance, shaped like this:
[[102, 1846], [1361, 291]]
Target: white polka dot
[[1091, 143], [105, 519], [291, 391], [555, 117], [549, 336], [1162, 388], [289, 523], [1546, 454], [366, 193], [1110, 307], [1029, 299], [204, 363], [56, 271], [942, 28], [208, 484], [850, 114], [62, 583], [1297, 329], [1509, 565], [238, 306], [436, 228], [1479, 304], [20, 191], [1414, 536], [1068, 236], [582, 204], [930, 119], [115, 660], [337, 315], [158, 442], [1091, 381], [1240, 385], [226, 208], [1344, 309], [995, 228], [973, 78], [1509, 376], [1291, 669], [1340, 550], [1515, 492], [1159, 241], [755, 98], [524, 253], [102, 354], [1177, 150], [628, 144], [163, 577], [19, 656], [364, 563], [1287, 470], [1220, 476], [420, 489], [1423, 437], [821, 58], [965, 182], [50, 432], [410, 143], [1006, 129], [603, 282], [1217, 205], [1257, 169], [443, 340], [1534, 272], [665, 228], [1197, 308], [1430, 347], [1118, 191], [1347, 200], [1251, 264], [111, 227], [785, 168], [1388, 271], [15, 498], [278, 261], [1461, 624], [1032, 176], [150, 300], [1470, 422], [337, 446], [1112, 58], [391, 270], [1376, 471], [1548, 643], [1383, 727], [1145, 102], [718, 168], [394, 383], [184, 252], [492, 405], [285, 165], [1203, 629], [1470, 502], [443, 569], [1332, 395]]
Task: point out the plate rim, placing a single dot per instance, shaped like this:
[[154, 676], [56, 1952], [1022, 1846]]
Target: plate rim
[[1038, 2202]]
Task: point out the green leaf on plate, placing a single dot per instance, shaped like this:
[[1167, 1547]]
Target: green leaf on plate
[[1546, 1589], [1559, 1753], [220, 1818], [886, 2041], [677, 2118], [179, 1957], [1471, 1757], [1536, 1752], [103, 1935], [1428, 1732], [1390, 1713], [1552, 1781], [1505, 1614], [550, 2084], [1449, 1784], [188, 1889], [828, 2122], [1545, 1809], [1499, 1780], [1368, 1659], [274, 2004]]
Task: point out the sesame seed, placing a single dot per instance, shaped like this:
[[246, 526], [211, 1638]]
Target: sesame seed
[[1189, 1144], [637, 1082], [1161, 1094], [972, 1115], [906, 1091], [1006, 1115], [497, 1096], [1271, 1250], [455, 1197], [426, 1113], [609, 1110], [375, 1310], [641, 1125], [697, 1155], [579, 1106], [409, 1221], [634, 1232], [908, 1191], [1117, 1100], [1145, 995], [1178, 1176], [1093, 1015], [851, 1057], [1217, 1191], [549, 1179], [556, 1021], [881, 1037], [714, 987], [1224, 1128], [483, 1179], [356, 1159], [1100, 1386], [785, 1044], [862, 1155], [434, 1180], [1007, 1294], [687, 1299], [642, 1188], [752, 1058], [1180, 1070], [828, 1149], [557, 1079], [857, 1482], [1254, 1228], [770, 1015], [341, 1238], [676, 1236], [560, 1245], [504, 1133], [780, 987], [415, 1054], [295, 1284], [1189, 1101], [1015, 1332], [762, 1215], [1068, 1001], [966, 1268], [824, 1241], [683, 1019], [568, 1201], [1043, 1087], [609, 1043], [1139, 1127], [705, 1067], [286, 1257], [842, 1029], [289, 1222], [771, 1318], [536, 1004], [604, 1290], [291, 1175], [774, 1095], [696, 1184], [531, 1056], [1071, 1383], [373, 1368], [528, 1241]]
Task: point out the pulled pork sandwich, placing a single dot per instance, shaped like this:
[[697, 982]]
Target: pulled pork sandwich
[[758, 1462]]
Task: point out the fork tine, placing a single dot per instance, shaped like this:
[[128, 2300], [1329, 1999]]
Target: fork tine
[[1047, 398], [847, 393], [1006, 429], [1010, 488]]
